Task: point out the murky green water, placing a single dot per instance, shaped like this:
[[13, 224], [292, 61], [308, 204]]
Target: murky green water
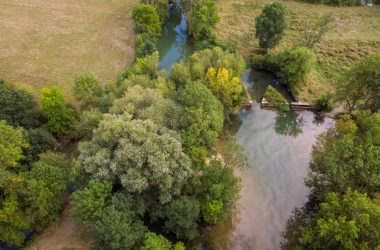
[[174, 44], [278, 148]]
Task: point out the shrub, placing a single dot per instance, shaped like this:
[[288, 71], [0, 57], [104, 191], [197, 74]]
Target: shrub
[[275, 98], [60, 117], [145, 44], [147, 19], [202, 19], [86, 88], [18, 107], [40, 141], [324, 103]]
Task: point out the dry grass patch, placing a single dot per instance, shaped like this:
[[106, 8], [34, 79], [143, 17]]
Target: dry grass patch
[[356, 34], [49, 42]]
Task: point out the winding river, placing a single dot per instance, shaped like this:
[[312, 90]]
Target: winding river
[[278, 149]]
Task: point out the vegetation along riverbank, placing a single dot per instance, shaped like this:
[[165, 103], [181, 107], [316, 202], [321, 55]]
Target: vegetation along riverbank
[[142, 169]]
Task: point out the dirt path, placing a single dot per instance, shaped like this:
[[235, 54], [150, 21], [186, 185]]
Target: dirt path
[[63, 235]]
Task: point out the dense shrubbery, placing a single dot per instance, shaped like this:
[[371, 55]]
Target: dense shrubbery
[[337, 2], [18, 107], [275, 98]]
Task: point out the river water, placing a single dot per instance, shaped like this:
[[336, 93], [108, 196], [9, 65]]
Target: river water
[[278, 147]]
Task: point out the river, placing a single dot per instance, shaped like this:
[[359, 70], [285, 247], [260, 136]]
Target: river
[[278, 148]]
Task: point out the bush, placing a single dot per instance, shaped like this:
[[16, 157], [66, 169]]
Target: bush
[[258, 62], [86, 88], [202, 19], [275, 98], [18, 107], [60, 117], [324, 103], [147, 19], [145, 44], [40, 141]]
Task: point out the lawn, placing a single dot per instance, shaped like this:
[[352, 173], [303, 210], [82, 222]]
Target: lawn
[[49, 42], [357, 33]]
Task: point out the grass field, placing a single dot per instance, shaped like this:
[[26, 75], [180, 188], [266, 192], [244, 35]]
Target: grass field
[[357, 33], [49, 42]]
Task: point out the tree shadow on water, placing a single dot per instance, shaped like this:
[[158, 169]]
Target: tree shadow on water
[[288, 123]]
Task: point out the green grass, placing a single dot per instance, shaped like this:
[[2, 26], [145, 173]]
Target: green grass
[[356, 34], [49, 42]]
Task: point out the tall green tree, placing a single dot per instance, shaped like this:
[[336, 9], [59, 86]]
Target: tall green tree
[[86, 88], [360, 88], [18, 107], [271, 24], [203, 18], [60, 117], [12, 144], [349, 221], [137, 156], [202, 117], [147, 19]]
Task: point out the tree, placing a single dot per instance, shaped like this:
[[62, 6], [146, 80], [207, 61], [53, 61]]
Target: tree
[[271, 24], [360, 87], [118, 230], [341, 159], [148, 104], [156, 242], [12, 144], [202, 117], [137, 155], [226, 87], [40, 141], [349, 221], [180, 74], [86, 88], [203, 18], [60, 117], [18, 107], [295, 65], [162, 7], [91, 202], [220, 192], [46, 189], [89, 120], [182, 216], [147, 19], [12, 214], [147, 65]]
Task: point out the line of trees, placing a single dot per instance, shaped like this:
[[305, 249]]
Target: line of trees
[[344, 176]]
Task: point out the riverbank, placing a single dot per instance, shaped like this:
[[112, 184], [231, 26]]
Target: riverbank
[[356, 34]]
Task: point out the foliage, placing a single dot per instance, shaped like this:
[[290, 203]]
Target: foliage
[[288, 123], [86, 88], [314, 33], [295, 64], [220, 192], [89, 120], [147, 65], [233, 153], [156, 242], [138, 155], [180, 74], [181, 217], [216, 57], [202, 19], [91, 202], [12, 143], [324, 103], [12, 215], [349, 221], [40, 141], [147, 19], [202, 117], [145, 44], [117, 230], [337, 2], [46, 188], [18, 107], [271, 24], [369, 127], [360, 88], [60, 117], [226, 87], [148, 104], [162, 7], [275, 98], [341, 159]]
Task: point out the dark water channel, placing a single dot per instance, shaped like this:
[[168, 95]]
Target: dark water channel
[[278, 147]]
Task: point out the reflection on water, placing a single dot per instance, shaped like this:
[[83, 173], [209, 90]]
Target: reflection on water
[[278, 147], [174, 44]]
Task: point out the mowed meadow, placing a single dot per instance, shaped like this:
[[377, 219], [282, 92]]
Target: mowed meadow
[[49, 42], [356, 34]]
